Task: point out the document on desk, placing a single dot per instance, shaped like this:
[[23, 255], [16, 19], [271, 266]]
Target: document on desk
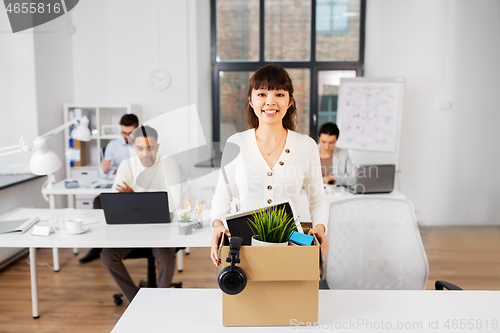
[[17, 225], [69, 213]]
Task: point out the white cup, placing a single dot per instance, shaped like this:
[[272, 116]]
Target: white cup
[[73, 225]]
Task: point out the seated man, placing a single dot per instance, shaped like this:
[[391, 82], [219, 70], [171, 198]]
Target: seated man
[[116, 151], [119, 150], [146, 172], [336, 166]]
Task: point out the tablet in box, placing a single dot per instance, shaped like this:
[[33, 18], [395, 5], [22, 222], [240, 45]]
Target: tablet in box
[[237, 224]]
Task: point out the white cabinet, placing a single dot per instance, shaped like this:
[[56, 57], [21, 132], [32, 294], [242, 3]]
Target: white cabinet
[[105, 126]]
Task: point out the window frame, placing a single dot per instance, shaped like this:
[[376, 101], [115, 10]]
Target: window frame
[[314, 66]]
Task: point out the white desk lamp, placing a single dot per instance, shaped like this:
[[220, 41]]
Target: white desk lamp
[[44, 161]]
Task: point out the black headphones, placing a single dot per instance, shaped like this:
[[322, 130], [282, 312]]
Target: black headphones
[[232, 280]]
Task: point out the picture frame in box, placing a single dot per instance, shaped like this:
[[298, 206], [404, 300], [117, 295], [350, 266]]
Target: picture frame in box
[[237, 223]]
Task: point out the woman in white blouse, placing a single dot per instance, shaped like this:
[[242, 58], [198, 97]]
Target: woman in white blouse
[[274, 162]]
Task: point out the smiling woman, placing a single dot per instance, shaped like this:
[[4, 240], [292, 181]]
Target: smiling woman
[[274, 161], [270, 91]]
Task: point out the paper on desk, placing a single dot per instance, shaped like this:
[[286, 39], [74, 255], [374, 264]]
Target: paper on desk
[[69, 213], [17, 225]]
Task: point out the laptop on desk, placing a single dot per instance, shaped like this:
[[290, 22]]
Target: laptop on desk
[[135, 207], [371, 179]]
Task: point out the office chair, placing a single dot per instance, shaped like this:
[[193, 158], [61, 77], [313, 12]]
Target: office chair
[[151, 271], [375, 244], [441, 285]]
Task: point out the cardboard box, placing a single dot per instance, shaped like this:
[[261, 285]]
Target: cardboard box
[[82, 146], [282, 287]]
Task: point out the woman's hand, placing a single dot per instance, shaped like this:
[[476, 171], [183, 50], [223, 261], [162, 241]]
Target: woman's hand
[[319, 232], [219, 229]]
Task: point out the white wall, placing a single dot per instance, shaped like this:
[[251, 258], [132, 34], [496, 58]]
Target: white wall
[[18, 112], [118, 43], [54, 83], [446, 51], [35, 80], [26, 194]]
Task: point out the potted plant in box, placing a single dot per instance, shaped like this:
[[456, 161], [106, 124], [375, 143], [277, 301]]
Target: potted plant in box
[[185, 223], [271, 227]]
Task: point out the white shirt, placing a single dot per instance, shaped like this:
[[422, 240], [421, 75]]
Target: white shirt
[[117, 151], [163, 175], [342, 167], [255, 184]]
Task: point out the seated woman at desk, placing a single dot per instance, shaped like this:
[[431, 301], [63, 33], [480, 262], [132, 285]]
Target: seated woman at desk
[[336, 166], [274, 161]]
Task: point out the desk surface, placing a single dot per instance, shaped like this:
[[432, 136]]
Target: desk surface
[[200, 310], [86, 186], [11, 180], [103, 235], [335, 194]]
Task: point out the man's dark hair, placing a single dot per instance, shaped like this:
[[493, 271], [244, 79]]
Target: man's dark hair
[[329, 129], [145, 132], [129, 120]]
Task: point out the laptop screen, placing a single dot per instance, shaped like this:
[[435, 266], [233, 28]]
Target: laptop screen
[[135, 207], [377, 178]]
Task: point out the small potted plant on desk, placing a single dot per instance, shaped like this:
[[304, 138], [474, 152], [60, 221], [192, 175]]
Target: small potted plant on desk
[[271, 227], [185, 224]]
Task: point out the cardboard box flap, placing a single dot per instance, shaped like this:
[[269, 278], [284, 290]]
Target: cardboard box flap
[[287, 263]]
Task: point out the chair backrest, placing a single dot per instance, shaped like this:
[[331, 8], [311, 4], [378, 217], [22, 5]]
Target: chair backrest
[[375, 244]]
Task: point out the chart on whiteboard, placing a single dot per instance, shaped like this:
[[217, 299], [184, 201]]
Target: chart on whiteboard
[[368, 115]]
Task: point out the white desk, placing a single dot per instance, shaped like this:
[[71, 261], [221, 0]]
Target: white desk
[[335, 194], [200, 310], [101, 235], [86, 187]]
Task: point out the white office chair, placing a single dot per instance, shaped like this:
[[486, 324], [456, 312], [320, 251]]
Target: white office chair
[[375, 244]]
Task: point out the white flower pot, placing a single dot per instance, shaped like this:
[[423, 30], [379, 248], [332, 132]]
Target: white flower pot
[[185, 228], [256, 242]]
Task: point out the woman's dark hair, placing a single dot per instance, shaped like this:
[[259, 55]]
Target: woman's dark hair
[[329, 129], [129, 120], [272, 77]]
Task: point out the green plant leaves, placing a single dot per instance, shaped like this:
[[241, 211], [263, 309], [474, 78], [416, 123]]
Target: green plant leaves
[[272, 225], [185, 217]]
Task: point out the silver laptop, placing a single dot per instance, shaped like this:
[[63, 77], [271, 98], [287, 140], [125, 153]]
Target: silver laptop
[[373, 179]]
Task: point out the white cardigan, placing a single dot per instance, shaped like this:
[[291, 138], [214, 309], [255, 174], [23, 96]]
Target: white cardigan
[[255, 184]]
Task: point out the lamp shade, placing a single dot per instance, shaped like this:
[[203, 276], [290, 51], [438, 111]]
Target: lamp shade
[[82, 131], [44, 161]]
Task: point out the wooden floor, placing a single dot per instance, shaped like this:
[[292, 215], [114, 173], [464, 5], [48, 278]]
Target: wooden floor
[[79, 297]]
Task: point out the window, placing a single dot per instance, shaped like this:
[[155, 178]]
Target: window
[[318, 42], [332, 17]]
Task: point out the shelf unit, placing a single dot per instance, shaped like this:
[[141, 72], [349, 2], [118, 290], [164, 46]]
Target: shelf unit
[[99, 114]]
